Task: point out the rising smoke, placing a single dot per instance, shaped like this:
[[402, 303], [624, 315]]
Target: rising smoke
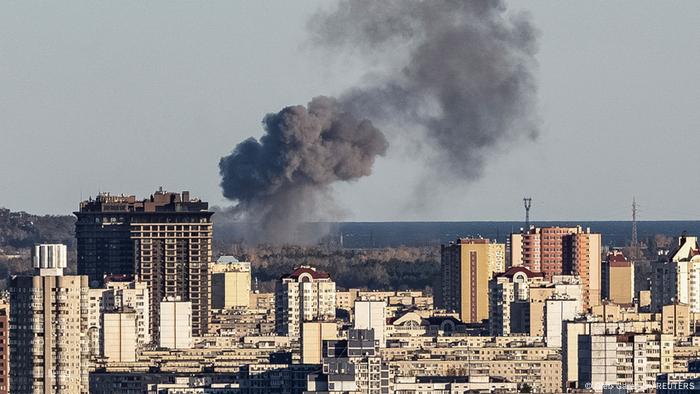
[[283, 179], [460, 74]]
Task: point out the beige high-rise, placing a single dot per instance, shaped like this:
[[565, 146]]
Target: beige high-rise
[[49, 350], [467, 266], [230, 283], [304, 295]]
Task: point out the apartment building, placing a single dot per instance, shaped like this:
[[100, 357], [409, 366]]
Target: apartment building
[[164, 240], [467, 265], [618, 278], [230, 283], [306, 294], [562, 251], [678, 279], [48, 327]]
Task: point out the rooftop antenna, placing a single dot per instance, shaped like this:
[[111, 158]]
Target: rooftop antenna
[[527, 201], [635, 241]]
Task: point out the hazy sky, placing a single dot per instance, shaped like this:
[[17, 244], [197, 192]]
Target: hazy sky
[[129, 96]]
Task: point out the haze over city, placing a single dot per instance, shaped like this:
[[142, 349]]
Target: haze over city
[[124, 97]]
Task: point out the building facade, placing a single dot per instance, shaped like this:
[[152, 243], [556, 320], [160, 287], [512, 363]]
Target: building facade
[[164, 240], [562, 251], [618, 279], [175, 324], [304, 295], [467, 265], [48, 339], [230, 283]]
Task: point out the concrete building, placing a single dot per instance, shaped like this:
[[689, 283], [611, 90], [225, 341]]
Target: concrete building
[[119, 336], [4, 348], [164, 240], [522, 302], [562, 251], [576, 368], [558, 309], [351, 366], [371, 315], [618, 279], [48, 327], [467, 265], [120, 295], [304, 295], [509, 294], [676, 320], [312, 336], [678, 279], [629, 360], [452, 385], [175, 324], [230, 283]]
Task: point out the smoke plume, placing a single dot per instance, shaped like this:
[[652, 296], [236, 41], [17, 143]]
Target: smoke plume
[[282, 180], [457, 75], [464, 72]]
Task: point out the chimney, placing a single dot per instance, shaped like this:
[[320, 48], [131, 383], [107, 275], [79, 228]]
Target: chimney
[[185, 196]]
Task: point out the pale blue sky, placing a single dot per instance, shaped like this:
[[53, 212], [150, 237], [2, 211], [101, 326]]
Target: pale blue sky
[[128, 96]]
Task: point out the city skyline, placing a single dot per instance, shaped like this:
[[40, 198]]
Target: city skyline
[[616, 96]]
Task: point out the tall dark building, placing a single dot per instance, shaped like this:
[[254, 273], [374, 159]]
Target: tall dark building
[[164, 240]]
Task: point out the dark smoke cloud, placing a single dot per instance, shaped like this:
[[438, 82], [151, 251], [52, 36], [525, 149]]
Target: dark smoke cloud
[[466, 73], [459, 74], [282, 180]]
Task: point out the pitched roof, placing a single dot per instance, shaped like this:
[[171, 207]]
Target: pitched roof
[[510, 272], [307, 270]]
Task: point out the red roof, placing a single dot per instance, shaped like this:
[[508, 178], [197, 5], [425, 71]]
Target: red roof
[[510, 272], [307, 270], [616, 258]]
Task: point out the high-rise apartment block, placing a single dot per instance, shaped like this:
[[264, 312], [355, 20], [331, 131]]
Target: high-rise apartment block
[[48, 334], [678, 279], [618, 279], [230, 283], [467, 265], [562, 251], [523, 302], [164, 240], [509, 294], [4, 348], [304, 295]]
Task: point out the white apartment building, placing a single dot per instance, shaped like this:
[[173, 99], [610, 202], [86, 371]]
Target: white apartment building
[[630, 360], [304, 295], [678, 280], [175, 323], [508, 298], [118, 296], [371, 314]]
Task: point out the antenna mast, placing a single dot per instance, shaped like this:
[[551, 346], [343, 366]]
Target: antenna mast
[[527, 201], [635, 242]]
